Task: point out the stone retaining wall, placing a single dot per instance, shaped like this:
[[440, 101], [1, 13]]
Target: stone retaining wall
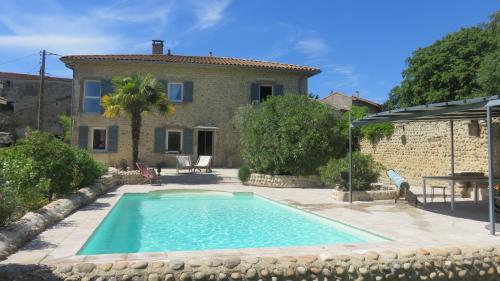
[[465, 263], [283, 181], [369, 195], [31, 224]]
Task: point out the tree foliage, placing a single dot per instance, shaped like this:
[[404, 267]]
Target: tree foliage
[[455, 67], [133, 96], [288, 135]]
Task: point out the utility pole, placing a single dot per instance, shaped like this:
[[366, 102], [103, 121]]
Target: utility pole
[[41, 93]]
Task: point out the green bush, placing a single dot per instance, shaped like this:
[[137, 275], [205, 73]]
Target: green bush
[[288, 135], [365, 171], [244, 173], [9, 205], [39, 168]]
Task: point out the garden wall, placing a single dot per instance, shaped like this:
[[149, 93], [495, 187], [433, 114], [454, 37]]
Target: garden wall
[[465, 263], [423, 148], [283, 181]]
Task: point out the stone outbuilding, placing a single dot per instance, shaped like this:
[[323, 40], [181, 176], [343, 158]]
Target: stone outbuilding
[[20, 95], [344, 103]]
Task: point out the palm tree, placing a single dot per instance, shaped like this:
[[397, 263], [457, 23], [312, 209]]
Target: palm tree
[[133, 96]]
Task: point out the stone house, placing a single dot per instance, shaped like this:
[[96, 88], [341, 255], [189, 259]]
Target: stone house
[[344, 103], [20, 91], [205, 90]]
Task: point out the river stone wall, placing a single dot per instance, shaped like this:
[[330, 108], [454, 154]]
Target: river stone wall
[[369, 195], [31, 224], [465, 263], [283, 181]]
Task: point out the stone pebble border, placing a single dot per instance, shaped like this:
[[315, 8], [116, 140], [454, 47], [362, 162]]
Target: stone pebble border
[[452, 263], [31, 224], [283, 181]]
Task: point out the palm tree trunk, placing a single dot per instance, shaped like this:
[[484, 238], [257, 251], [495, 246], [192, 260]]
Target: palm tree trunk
[[136, 135]]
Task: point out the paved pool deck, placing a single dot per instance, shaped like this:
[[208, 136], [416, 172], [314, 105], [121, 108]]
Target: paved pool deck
[[408, 227]]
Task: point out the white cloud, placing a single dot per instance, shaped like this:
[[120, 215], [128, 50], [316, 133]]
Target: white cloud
[[209, 12], [63, 44], [343, 77], [312, 47], [134, 12]]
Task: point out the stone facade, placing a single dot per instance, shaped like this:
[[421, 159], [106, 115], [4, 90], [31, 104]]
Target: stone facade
[[284, 181], [217, 93], [423, 149], [21, 92], [452, 263]]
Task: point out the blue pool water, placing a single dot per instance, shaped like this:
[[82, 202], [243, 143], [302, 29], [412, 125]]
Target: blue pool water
[[175, 221]]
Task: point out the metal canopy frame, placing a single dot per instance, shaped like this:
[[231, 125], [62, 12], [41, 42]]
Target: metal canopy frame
[[467, 109]]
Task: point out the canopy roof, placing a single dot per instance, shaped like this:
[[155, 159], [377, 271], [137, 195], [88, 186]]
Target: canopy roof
[[467, 109]]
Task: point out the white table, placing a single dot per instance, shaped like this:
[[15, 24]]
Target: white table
[[453, 179]]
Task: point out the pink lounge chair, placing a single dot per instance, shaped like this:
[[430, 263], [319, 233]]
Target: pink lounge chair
[[148, 174]]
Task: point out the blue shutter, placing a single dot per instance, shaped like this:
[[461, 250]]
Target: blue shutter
[[278, 90], [165, 85], [188, 91], [83, 136], [187, 141], [113, 138], [159, 141], [106, 89], [254, 92]]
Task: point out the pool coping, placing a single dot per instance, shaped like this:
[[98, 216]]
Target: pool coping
[[241, 252]]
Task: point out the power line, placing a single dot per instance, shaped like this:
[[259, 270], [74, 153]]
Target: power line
[[17, 59], [34, 67]]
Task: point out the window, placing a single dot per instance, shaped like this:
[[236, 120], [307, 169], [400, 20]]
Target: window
[[264, 92], [175, 92], [92, 97], [99, 139], [174, 141]]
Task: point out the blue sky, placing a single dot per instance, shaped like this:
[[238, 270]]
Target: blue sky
[[359, 45]]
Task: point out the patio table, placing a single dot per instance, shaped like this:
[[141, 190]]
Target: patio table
[[474, 179]]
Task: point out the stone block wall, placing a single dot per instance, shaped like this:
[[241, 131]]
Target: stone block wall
[[423, 149]]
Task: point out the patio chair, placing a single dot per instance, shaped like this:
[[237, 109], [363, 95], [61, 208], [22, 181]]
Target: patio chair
[[148, 174], [204, 162], [183, 163]]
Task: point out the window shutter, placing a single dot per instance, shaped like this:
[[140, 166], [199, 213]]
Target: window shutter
[[113, 138], [165, 85], [187, 141], [159, 142], [83, 136], [254, 92], [106, 89], [278, 90], [188, 91]]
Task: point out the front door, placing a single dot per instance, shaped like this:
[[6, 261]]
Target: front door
[[205, 143]]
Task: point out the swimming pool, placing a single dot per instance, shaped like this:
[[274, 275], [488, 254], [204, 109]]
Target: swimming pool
[[202, 220]]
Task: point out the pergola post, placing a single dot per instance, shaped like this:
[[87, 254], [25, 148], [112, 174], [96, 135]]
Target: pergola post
[[350, 157], [491, 176]]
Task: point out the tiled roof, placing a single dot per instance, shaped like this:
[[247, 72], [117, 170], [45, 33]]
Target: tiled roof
[[13, 75], [206, 60]]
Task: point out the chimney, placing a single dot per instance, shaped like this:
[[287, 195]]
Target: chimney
[[157, 47]]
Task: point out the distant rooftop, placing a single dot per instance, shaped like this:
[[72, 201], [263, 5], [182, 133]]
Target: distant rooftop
[[22, 76]]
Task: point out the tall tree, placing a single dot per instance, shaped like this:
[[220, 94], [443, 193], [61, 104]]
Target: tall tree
[[133, 96], [448, 69]]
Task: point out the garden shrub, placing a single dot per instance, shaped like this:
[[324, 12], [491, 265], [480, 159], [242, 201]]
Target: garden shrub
[[244, 173], [42, 167], [288, 135], [365, 171]]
